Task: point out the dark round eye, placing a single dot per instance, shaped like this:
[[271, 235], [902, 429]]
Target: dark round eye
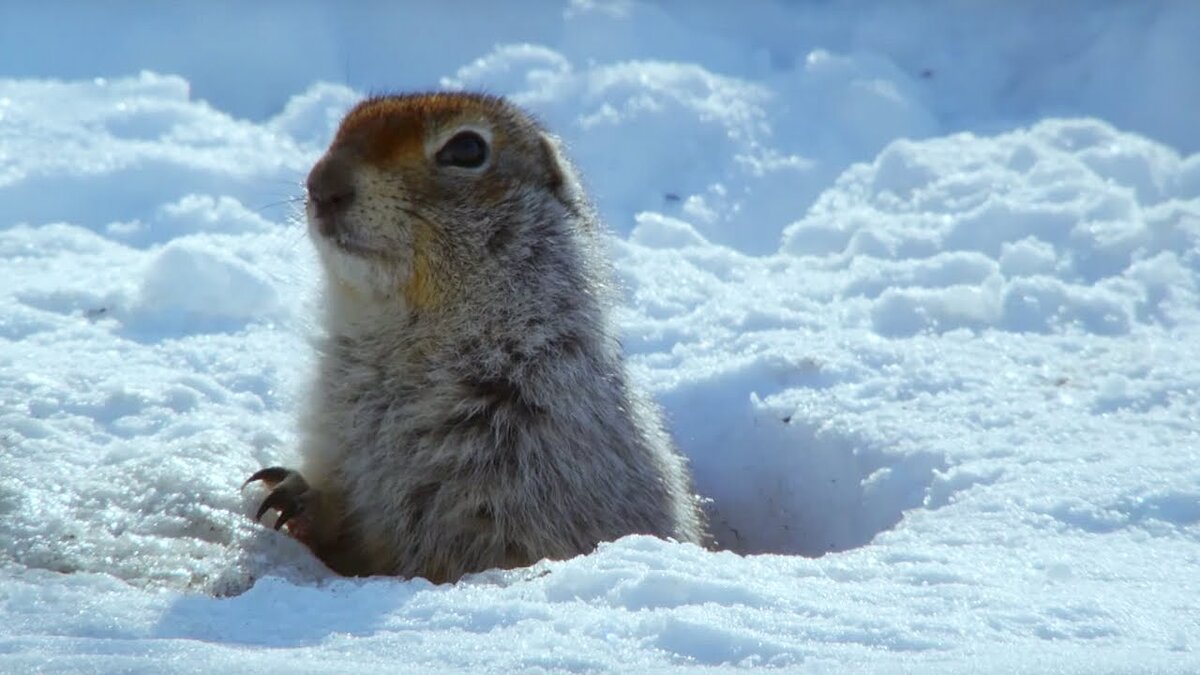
[[466, 149]]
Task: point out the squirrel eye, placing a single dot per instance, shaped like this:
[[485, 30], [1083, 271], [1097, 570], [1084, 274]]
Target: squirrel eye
[[466, 149]]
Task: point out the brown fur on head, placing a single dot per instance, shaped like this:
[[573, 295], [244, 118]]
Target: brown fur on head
[[393, 215]]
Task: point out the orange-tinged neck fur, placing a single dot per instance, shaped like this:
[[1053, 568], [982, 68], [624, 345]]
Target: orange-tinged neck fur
[[422, 291]]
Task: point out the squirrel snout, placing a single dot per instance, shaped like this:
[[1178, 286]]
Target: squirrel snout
[[330, 190]]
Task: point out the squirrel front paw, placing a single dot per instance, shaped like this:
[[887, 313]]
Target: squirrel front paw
[[290, 495]]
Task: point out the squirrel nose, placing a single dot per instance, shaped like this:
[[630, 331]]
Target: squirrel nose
[[330, 188]]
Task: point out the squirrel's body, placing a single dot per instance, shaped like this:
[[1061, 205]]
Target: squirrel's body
[[471, 408]]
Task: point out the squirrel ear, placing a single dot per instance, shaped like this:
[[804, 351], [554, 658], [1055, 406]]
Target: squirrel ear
[[562, 180]]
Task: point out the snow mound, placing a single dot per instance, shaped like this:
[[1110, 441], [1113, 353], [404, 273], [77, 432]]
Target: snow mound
[[1041, 230], [195, 281], [124, 147]]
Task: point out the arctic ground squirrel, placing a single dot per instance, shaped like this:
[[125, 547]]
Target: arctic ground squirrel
[[471, 407]]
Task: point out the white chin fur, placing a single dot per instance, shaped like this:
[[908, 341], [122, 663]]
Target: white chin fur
[[362, 274]]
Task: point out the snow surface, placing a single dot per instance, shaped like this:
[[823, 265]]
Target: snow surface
[[918, 286]]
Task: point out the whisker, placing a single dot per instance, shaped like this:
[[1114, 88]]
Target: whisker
[[281, 202]]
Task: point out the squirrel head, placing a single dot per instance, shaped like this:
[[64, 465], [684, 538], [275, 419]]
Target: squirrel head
[[419, 192]]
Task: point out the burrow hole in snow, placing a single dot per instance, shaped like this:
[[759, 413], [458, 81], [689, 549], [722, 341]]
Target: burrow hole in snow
[[786, 484]]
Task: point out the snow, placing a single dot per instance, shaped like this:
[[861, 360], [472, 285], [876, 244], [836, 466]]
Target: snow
[[917, 285]]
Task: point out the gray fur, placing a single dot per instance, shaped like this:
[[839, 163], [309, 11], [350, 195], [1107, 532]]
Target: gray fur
[[497, 425]]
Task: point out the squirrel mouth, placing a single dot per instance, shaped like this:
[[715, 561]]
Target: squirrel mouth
[[336, 232], [352, 245]]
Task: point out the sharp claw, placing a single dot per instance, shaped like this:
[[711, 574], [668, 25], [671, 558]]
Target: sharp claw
[[287, 495], [286, 514], [275, 500], [270, 475]]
